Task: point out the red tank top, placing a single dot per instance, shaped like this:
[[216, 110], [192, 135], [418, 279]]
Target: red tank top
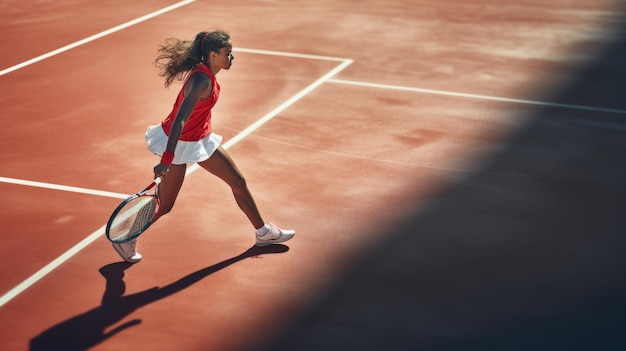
[[198, 126]]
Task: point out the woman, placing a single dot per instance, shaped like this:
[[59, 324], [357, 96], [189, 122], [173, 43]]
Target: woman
[[185, 136]]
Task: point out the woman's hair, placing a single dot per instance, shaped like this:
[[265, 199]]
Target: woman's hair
[[178, 57]]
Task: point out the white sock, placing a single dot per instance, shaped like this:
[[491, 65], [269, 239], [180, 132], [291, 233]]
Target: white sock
[[263, 230]]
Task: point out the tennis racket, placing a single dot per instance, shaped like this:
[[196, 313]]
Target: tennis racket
[[134, 215]]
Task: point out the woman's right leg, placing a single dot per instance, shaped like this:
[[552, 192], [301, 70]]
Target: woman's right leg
[[169, 188]]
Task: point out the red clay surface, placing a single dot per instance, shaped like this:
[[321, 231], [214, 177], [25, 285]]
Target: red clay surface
[[345, 165]]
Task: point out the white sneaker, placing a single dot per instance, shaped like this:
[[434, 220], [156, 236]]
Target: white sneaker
[[274, 235], [128, 251]]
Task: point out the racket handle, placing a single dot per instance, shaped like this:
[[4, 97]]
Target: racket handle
[[157, 180]]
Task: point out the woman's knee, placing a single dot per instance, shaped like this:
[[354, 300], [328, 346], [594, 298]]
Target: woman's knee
[[238, 183]]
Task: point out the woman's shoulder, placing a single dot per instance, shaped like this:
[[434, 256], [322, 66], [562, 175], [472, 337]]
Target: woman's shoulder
[[200, 81], [202, 73], [204, 69]]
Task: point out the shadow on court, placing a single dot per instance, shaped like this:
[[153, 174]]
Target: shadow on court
[[526, 254], [88, 329]]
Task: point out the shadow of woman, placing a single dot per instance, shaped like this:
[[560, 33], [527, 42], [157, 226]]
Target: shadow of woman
[[88, 329]]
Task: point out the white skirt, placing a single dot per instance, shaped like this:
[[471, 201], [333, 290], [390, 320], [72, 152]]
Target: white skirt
[[186, 151]]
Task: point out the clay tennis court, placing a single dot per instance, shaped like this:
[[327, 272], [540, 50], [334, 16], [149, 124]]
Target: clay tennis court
[[454, 171]]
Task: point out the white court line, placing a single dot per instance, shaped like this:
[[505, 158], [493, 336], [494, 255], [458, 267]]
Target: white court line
[[96, 36], [11, 294], [291, 54], [71, 189], [475, 96]]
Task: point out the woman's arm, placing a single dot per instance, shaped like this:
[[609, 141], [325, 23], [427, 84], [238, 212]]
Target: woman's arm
[[197, 86]]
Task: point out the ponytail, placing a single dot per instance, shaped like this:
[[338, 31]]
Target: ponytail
[[179, 57]]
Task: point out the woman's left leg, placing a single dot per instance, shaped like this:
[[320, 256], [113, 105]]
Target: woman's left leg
[[221, 165]]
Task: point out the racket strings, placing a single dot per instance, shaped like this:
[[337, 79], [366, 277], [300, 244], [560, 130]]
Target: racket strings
[[133, 218]]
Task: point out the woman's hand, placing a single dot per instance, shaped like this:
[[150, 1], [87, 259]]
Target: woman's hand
[[160, 170]]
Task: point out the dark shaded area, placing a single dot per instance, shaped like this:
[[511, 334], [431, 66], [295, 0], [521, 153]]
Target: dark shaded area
[[527, 254], [88, 329]]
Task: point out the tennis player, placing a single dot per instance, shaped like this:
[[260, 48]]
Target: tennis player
[[185, 136]]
